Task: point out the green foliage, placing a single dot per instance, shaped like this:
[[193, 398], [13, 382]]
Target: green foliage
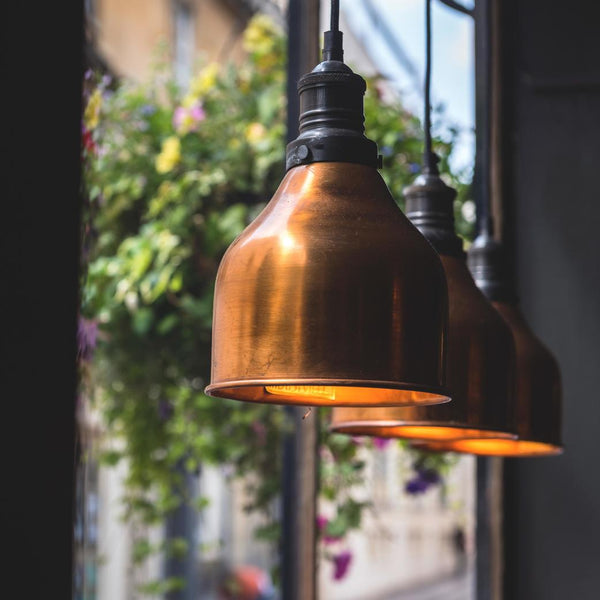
[[172, 177]]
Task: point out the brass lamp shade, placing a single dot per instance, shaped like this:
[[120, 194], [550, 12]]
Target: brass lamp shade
[[330, 297], [538, 392], [480, 359]]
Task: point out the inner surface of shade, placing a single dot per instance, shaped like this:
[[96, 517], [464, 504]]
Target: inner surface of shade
[[327, 393], [497, 447], [418, 432]]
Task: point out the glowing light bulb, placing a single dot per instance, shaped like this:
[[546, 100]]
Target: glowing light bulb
[[307, 391]]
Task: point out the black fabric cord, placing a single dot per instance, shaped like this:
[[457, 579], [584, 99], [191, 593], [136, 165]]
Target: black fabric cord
[[335, 15], [429, 158]]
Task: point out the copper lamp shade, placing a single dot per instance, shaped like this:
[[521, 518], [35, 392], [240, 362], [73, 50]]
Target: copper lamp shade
[[480, 352], [331, 296], [538, 384]]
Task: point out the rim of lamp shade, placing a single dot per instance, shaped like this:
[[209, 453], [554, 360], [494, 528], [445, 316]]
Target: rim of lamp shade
[[326, 392], [493, 447], [416, 430]]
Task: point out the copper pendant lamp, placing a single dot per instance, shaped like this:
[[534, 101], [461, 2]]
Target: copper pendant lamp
[[538, 384], [331, 296], [480, 351]]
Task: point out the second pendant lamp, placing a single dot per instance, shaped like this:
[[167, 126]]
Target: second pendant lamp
[[331, 296], [480, 350]]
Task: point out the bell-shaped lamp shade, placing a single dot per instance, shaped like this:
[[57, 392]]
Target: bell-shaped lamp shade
[[480, 351], [331, 296], [538, 382]]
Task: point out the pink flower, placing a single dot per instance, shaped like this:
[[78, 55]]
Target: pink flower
[[341, 564], [186, 119], [197, 113], [322, 522], [381, 443]]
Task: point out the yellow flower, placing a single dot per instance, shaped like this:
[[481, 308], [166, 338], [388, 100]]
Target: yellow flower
[[259, 35], [255, 132], [205, 80], [189, 100], [244, 81], [169, 156], [267, 62], [91, 116]]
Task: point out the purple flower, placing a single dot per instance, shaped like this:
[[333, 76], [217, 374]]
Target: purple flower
[[88, 74], [87, 333], [106, 80], [431, 476], [341, 563], [381, 443], [414, 168], [165, 410], [331, 539], [387, 151], [148, 109], [416, 486]]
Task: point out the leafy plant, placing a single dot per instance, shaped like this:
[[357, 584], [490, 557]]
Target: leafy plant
[[172, 177]]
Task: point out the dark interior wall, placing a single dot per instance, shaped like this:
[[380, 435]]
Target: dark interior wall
[[552, 209], [40, 124]]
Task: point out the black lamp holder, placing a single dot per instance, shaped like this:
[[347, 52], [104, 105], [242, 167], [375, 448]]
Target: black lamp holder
[[332, 110], [487, 262]]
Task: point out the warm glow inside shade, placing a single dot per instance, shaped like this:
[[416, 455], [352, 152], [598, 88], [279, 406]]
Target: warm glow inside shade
[[414, 432], [493, 447], [480, 362], [330, 297]]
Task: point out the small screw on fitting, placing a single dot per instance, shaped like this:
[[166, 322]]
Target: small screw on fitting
[[302, 152]]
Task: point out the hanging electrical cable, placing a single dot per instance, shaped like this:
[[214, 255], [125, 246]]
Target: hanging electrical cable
[[330, 297], [480, 349], [429, 158]]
